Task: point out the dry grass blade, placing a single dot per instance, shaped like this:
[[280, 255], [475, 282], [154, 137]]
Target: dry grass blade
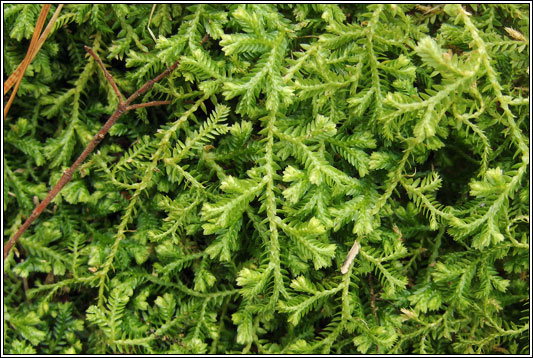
[[149, 22], [19, 72], [35, 45], [350, 257]]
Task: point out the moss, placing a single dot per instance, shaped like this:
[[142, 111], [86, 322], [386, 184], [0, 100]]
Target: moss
[[219, 223]]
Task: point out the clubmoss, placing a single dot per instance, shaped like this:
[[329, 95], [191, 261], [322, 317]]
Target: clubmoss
[[219, 223]]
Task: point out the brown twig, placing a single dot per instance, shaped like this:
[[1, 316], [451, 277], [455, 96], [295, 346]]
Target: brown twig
[[107, 74], [147, 104], [150, 83], [123, 107]]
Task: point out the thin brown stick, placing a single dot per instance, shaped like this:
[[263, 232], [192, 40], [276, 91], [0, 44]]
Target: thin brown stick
[[29, 55], [150, 83], [67, 174], [107, 74], [147, 104]]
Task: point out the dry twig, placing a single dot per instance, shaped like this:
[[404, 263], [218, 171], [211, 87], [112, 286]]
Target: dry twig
[[123, 107]]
